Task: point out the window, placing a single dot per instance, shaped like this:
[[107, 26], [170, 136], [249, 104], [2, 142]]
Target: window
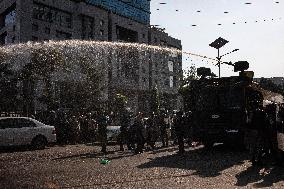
[[10, 17], [167, 82], [101, 32], [14, 28], [171, 81], [63, 35], [21, 122], [102, 23], [35, 27], [52, 15], [47, 30], [87, 27], [171, 66], [143, 35], [163, 43], [7, 123], [155, 40], [13, 39], [3, 38]]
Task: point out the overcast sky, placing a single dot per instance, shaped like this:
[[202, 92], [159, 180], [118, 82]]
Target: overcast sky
[[261, 43]]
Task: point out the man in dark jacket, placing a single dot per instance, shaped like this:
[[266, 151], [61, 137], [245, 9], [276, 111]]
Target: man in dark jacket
[[259, 124], [124, 133], [178, 122], [139, 133], [102, 122]]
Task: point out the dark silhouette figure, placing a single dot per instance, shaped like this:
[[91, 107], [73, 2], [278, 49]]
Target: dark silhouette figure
[[102, 122]]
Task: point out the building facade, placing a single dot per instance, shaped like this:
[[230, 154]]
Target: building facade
[[108, 20], [276, 80]]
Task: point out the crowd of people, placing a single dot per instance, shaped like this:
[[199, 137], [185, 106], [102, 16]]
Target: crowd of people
[[261, 133], [138, 132]]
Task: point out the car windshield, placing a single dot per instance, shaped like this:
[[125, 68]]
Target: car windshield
[[37, 122], [212, 98]]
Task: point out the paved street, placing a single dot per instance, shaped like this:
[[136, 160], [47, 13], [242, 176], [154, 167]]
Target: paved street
[[78, 166]]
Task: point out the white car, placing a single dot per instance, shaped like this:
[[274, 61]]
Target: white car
[[113, 133], [17, 131]]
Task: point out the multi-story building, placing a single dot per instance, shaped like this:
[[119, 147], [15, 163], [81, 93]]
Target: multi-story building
[[107, 20], [276, 80]]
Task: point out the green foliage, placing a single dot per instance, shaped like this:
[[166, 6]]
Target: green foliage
[[8, 86], [119, 104], [269, 85], [190, 75], [185, 89], [45, 61]]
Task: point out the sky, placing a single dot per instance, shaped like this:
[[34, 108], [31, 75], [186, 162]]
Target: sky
[[258, 32]]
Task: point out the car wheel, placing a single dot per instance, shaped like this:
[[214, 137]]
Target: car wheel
[[39, 143]]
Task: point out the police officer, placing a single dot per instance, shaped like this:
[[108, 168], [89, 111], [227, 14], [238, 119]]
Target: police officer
[[102, 121], [124, 122], [178, 122], [163, 130], [150, 132], [259, 123], [139, 133]]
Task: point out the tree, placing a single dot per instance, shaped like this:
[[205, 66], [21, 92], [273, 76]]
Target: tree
[[43, 63], [185, 89], [8, 86], [119, 103]]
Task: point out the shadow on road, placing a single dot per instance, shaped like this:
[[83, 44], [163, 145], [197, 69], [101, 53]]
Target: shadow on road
[[12, 149], [261, 176], [205, 163]]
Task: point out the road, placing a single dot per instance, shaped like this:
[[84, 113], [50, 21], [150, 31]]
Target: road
[[78, 166]]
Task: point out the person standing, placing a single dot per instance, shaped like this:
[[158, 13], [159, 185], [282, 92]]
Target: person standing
[[150, 132], [102, 121], [259, 126], [123, 138], [74, 130], [163, 130], [139, 133], [179, 130]]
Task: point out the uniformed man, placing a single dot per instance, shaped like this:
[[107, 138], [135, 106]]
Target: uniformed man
[[178, 122], [139, 133], [102, 122], [163, 130], [259, 123], [124, 125]]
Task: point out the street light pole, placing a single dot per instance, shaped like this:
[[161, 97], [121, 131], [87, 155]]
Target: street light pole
[[219, 62], [217, 44]]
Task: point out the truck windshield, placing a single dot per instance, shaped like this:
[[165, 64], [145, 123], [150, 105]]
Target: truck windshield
[[212, 98]]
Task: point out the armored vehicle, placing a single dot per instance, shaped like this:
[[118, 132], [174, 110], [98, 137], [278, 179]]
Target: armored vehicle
[[220, 108]]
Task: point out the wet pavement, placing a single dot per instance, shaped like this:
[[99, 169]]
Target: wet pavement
[[79, 166]]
